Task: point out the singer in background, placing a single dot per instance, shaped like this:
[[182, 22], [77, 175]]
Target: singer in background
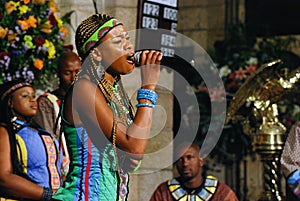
[[106, 139]]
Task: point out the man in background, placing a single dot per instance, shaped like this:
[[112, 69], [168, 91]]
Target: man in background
[[47, 116], [68, 66], [191, 185]]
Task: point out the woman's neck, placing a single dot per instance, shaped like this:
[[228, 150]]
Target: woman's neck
[[22, 118], [110, 78]]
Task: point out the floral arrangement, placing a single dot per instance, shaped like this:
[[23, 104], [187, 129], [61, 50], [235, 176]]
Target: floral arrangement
[[237, 58], [233, 79], [32, 38]]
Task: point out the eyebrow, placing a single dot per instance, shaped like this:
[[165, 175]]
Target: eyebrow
[[120, 35]]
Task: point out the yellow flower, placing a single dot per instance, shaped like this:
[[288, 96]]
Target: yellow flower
[[3, 32], [51, 49], [11, 6], [39, 64], [53, 6], [31, 21], [23, 24], [59, 21], [23, 9]]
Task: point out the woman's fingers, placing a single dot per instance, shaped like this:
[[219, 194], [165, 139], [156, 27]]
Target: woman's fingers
[[151, 57]]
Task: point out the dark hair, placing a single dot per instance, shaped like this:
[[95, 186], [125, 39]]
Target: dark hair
[[65, 57]]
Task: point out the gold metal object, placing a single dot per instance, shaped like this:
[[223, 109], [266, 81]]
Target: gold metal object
[[262, 91]]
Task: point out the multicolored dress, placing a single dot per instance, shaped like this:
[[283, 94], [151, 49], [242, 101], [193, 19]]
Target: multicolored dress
[[94, 174], [39, 155]]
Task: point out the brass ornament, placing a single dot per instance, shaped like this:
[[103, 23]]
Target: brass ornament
[[261, 93]]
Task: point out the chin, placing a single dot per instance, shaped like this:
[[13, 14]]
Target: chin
[[129, 70]]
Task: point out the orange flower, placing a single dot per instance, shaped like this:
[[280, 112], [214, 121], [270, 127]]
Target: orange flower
[[26, 1], [11, 6], [23, 24], [39, 64], [46, 28], [3, 32], [31, 21], [53, 6], [64, 31], [12, 36]]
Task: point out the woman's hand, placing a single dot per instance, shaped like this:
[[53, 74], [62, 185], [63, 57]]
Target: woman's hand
[[150, 68]]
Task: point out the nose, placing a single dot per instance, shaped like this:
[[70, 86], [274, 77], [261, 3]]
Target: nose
[[129, 45], [184, 162], [33, 98], [73, 75]]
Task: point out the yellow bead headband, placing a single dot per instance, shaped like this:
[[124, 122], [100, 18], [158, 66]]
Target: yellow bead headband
[[14, 88]]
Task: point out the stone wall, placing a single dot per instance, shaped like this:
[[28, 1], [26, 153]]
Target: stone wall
[[202, 21]]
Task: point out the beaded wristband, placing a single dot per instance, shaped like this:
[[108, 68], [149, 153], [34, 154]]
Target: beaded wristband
[[145, 105], [47, 194], [147, 94]]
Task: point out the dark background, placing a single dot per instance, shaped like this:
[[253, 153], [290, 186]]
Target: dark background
[[273, 17]]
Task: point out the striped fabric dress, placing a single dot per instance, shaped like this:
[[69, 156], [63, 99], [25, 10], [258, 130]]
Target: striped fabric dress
[[92, 172], [39, 153]]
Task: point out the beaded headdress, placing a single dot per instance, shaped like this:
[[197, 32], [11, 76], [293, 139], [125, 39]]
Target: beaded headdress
[[91, 31], [14, 88]]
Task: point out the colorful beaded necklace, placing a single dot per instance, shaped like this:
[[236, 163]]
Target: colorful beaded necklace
[[205, 193]]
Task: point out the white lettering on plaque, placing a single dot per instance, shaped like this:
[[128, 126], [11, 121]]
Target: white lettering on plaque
[[167, 40], [151, 9], [170, 14], [150, 23], [167, 52]]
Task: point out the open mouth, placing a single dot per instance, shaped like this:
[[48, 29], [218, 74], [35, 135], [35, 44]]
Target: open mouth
[[130, 58]]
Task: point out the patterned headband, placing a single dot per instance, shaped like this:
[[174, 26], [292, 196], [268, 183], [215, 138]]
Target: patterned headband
[[14, 88], [99, 34]]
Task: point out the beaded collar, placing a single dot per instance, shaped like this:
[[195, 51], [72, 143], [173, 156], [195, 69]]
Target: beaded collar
[[205, 193], [18, 124]]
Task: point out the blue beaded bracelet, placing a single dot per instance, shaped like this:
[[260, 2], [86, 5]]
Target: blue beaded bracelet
[[147, 94], [145, 105]]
